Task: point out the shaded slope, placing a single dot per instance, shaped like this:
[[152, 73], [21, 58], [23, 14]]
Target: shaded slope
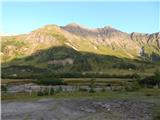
[[67, 60]]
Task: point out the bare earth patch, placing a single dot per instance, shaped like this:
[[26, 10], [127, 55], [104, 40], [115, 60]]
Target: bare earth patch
[[71, 109]]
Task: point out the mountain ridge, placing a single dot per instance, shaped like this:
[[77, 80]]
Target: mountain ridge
[[106, 40]]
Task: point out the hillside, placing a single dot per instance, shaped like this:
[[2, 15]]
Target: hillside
[[78, 48], [107, 41]]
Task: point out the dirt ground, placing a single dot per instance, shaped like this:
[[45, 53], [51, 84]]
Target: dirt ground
[[73, 109]]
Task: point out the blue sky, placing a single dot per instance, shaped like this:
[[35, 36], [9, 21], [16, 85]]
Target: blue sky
[[23, 17]]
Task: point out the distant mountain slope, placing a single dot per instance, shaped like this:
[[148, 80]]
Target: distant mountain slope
[[104, 41], [130, 44]]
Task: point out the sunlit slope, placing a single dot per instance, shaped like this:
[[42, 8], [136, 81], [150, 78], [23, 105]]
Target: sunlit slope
[[101, 41]]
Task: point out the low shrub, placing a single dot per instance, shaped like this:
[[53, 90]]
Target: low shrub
[[83, 89], [60, 89], [91, 90], [148, 94], [134, 86], [52, 92], [50, 81], [4, 88], [151, 81], [40, 93], [46, 91], [125, 66], [103, 90]]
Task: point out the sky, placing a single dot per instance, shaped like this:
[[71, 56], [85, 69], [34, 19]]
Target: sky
[[22, 17]]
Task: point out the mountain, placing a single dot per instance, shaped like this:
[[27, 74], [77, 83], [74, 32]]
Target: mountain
[[106, 41], [77, 48], [128, 44]]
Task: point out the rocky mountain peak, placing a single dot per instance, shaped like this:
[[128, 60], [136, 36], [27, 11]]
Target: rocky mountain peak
[[109, 30], [73, 25], [51, 27], [108, 27], [77, 26], [79, 30]]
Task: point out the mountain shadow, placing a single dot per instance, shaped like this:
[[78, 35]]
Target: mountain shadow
[[64, 59]]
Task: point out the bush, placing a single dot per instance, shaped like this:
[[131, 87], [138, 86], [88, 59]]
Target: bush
[[83, 89], [136, 76], [40, 93], [103, 90], [92, 86], [91, 90], [151, 81], [52, 91], [4, 88], [125, 66], [59, 89], [50, 81], [132, 86], [46, 91]]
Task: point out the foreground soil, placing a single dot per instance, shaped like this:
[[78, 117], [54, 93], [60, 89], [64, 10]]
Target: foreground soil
[[76, 109]]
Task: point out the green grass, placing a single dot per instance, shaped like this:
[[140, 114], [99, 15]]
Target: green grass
[[73, 81], [16, 81], [142, 94], [98, 81]]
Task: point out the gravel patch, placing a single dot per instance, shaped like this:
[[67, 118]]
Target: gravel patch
[[70, 109]]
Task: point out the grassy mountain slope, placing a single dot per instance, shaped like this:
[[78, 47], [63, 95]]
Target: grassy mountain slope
[[77, 48], [67, 60]]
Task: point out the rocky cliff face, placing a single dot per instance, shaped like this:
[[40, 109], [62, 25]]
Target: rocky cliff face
[[107, 40], [118, 40]]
